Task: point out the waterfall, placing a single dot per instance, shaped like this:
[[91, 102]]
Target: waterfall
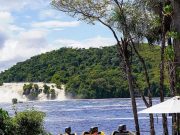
[[8, 91]]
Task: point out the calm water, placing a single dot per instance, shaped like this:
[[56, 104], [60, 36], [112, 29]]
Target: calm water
[[107, 114]]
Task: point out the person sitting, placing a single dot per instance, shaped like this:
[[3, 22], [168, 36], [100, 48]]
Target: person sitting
[[122, 131], [94, 131], [68, 131]]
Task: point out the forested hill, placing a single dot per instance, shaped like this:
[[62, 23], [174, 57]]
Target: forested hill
[[86, 73]]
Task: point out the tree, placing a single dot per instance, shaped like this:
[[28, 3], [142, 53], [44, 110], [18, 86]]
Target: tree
[[91, 11], [136, 25], [46, 90], [31, 91], [36, 87], [168, 12], [57, 80], [176, 63]]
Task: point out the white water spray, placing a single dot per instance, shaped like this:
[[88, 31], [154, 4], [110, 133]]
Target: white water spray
[[15, 90]]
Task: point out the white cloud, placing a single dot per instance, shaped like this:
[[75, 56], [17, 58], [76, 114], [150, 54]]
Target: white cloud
[[99, 42], [33, 34], [15, 28], [7, 24], [49, 13], [13, 4], [55, 24], [10, 5], [8, 52], [92, 42], [24, 46], [2, 39], [5, 17]]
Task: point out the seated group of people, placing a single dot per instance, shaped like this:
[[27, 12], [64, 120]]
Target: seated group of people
[[94, 131]]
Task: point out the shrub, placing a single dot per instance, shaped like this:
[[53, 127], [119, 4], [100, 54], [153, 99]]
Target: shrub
[[6, 124], [46, 89], [1, 83], [31, 91], [14, 101], [36, 87], [30, 122], [53, 93]]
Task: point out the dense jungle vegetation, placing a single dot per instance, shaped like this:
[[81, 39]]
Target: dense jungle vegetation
[[87, 73], [28, 122]]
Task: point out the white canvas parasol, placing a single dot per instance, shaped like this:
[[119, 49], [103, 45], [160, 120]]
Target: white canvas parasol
[[169, 106]]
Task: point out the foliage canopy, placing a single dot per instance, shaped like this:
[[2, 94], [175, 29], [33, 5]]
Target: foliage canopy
[[87, 73]]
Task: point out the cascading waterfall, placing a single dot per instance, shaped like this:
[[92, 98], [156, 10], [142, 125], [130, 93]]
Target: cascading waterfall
[[8, 91]]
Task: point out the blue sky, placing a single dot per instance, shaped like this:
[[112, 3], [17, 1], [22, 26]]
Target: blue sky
[[31, 27]]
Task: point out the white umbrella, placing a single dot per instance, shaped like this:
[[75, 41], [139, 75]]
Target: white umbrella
[[169, 106]]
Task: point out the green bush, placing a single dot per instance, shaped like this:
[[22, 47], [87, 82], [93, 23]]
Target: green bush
[[1, 83], [27, 88], [14, 101], [6, 124], [53, 93], [46, 90], [36, 87], [28, 122], [31, 91]]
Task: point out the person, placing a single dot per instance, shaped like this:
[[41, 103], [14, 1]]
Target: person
[[68, 131], [122, 131], [94, 131]]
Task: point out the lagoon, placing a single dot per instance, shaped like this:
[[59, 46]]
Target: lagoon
[[107, 114]]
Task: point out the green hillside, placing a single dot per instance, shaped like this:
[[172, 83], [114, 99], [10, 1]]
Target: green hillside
[[86, 73]]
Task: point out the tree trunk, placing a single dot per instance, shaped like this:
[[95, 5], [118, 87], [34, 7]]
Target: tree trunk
[[152, 130], [131, 90], [161, 89], [161, 83], [176, 44], [172, 75]]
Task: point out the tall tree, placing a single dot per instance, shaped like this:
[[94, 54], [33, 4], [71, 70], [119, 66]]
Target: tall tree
[[133, 23], [176, 45], [168, 11], [135, 28], [91, 11], [162, 8]]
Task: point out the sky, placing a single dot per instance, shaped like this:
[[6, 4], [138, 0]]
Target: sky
[[32, 27]]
